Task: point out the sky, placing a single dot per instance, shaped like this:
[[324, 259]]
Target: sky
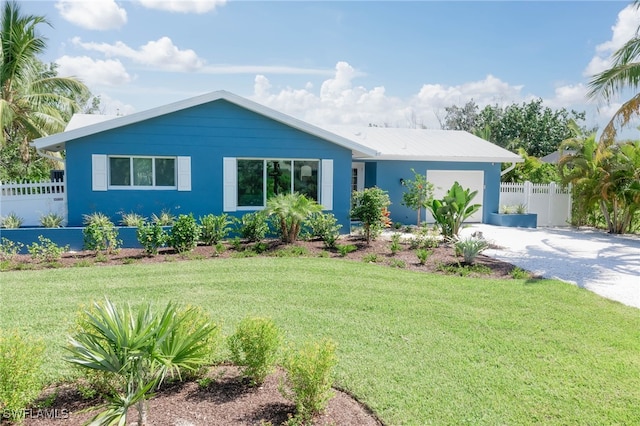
[[389, 63]]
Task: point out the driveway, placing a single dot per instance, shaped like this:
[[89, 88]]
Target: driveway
[[608, 265]]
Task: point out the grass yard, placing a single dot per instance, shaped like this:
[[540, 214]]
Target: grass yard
[[417, 348]]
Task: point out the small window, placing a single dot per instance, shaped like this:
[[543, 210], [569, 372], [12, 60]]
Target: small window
[[142, 172]]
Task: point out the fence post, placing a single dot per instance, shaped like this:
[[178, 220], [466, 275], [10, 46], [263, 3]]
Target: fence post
[[527, 193]]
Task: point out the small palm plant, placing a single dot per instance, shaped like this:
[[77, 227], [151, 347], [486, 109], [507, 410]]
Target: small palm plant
[[141, 348], [290, 210]]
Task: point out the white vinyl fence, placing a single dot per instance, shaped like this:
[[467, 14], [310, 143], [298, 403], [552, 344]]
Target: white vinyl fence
[[551, 202], [32, 200]]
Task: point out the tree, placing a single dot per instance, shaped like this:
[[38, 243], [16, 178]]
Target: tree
[[290, 210], [418, 194], [370, 206], [462, 118], [624, 73], [34, 102], [532, 169]]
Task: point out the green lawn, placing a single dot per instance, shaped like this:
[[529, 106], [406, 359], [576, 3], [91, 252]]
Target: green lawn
[[417, 348]]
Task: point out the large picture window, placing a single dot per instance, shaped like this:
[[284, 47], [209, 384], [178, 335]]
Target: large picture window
[[142, 172], [260, 179]]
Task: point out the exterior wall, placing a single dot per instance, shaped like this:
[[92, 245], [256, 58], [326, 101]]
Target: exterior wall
[[206, 133], [389, 173]]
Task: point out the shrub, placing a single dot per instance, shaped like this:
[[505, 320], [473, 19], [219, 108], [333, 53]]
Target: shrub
[[418, 194], [100, 234], [470, 248], [423, 241], [132, 219], [51, 220], [325, 227], [370, 206], [370, 258], [46, 250], [11, 221], [519, 273], [151, 236], [254, 346], [397, 263], [139, 349], [215, 228], [423, 254], [345, 249], [9, 249], [254, 226], [395, 243], [164, 219], [450, 211], [290, 210], [309, 377], [291, 251], [20, 362], [184, 233]]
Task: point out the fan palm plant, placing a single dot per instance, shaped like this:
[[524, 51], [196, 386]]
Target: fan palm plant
[[290, 210]]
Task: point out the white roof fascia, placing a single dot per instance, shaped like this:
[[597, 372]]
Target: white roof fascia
[[56, 142], [382, 157]]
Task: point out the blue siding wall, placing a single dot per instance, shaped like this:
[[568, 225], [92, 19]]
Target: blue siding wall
[[206, 133], [388, 174]]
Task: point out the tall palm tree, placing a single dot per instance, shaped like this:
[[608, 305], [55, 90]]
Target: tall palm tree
[[33, 102], [624, 73]]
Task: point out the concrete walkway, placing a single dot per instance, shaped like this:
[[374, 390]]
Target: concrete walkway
[[608, 265]]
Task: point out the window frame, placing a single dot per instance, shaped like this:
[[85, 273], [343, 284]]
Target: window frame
[[153, 186]]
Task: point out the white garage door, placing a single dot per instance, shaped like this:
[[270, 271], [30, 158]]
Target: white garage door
[[443, 180]]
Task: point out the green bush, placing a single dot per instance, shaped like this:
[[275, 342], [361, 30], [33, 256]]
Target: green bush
[[254, 226], [423, 254], [215, 228], [310, 378], [11, 221], [370, 207], [151, 236], [9, 249], [51, 220], [254, 346], [289, 212], [20, 375], [46, 250], [470, 248], [325, 227], [395, 244], [184, 233], [345, 249], [100, 234]]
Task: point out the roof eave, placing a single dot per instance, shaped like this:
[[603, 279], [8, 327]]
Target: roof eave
[[456, 159]]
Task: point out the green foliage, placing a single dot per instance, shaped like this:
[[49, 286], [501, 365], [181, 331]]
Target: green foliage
[[370, 206], [132, 219], [151, 236], [453, 209], [254, 226], [470, 248], [184, 233], [100, 234], [141, 348], [395, 243], [397, 263], [423, 241], [9, 249], [345, 249], [291, 251], [418, 193], [309, 377], [325, 227], [370, 258], [290, 211], [20, 373], [423, 254], [165, 218], [464, 270], [532, 169], [46, 250], [254, 346], [519, 273], [215, 228], [11, 221], [51, 220]]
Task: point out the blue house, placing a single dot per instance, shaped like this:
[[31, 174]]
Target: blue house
[[223, 153]]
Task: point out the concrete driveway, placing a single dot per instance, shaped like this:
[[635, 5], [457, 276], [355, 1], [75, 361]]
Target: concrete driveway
[[608, 265]]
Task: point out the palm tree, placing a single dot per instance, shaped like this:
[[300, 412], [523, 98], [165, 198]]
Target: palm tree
[[290, 211], [34, 102], [624, 73]]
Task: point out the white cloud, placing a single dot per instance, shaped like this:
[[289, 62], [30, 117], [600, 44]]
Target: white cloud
[[183, 6], [624, 29], [93, 72], [110, 106], [568, 96], [161, 53], [93, 15]]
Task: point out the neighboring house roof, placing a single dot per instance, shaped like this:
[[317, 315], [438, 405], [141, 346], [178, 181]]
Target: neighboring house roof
[[426, 144], [57, 142], [555, 156], [381, 143]]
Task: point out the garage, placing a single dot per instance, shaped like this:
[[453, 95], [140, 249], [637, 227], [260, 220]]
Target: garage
[[443, 180]]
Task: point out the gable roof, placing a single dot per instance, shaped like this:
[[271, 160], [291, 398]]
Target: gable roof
[[90, 126], [426, 144]]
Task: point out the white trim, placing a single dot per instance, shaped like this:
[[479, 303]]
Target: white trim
[[230, 184], [99, 181], [153, 187], [326, 193], [359, 166], [183, 173]]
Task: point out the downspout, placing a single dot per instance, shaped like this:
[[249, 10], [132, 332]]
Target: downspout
[[51, 157], [508, 169]]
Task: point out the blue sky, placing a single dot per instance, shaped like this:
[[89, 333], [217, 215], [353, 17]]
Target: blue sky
[[355, 62]]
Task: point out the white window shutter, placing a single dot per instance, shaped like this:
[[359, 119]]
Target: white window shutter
[[98, 172], [326, 196], [230, 184], [184, 173]]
